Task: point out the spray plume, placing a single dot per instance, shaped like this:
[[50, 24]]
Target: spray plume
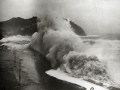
[[56, 40]]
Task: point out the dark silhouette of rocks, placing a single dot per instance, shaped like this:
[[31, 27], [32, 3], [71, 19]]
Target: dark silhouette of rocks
[[18, 26], [77, 29], [1, 36]]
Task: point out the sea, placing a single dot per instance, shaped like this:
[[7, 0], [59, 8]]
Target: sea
[[106, 47]]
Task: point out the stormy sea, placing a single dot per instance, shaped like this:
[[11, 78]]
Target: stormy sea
[[91, 61], [104, 48]]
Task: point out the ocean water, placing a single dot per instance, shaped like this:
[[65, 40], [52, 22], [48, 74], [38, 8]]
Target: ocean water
[[15, 42], [107, 49]]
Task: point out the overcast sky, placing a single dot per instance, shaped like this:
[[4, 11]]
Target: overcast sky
[[94, 16]]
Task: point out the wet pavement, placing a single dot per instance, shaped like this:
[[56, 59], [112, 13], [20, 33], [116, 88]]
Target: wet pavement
[[8, 80], [25, 70]]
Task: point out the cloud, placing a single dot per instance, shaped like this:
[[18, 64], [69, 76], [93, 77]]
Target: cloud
[[17, 8], [94, 16]]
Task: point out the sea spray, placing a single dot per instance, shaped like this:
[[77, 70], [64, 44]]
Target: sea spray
[[107, 52], [57, 41], [54, 30]]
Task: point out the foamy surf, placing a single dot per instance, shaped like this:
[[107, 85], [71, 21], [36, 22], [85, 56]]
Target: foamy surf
[[16, 42], [79, 81], [16, 38]]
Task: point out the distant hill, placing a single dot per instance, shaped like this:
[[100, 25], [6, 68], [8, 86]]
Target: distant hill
[[77, 29], [1, 36], [20, 26]]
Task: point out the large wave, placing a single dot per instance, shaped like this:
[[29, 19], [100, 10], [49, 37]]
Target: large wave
[[56, 40]]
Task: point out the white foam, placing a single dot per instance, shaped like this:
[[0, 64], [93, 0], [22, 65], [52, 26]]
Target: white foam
[[64, 76], [16, 38]]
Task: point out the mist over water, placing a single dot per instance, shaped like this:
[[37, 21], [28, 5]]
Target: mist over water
[[108, 51], [57, 41]]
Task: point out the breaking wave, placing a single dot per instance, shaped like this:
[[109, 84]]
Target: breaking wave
[[57, 41]]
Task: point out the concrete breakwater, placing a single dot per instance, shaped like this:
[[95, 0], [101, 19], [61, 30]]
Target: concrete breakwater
[[25, 70]]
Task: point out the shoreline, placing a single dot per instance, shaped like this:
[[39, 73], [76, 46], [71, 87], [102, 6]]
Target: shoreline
[[29, 77]]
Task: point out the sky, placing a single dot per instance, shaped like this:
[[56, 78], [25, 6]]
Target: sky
[[94, 16]]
